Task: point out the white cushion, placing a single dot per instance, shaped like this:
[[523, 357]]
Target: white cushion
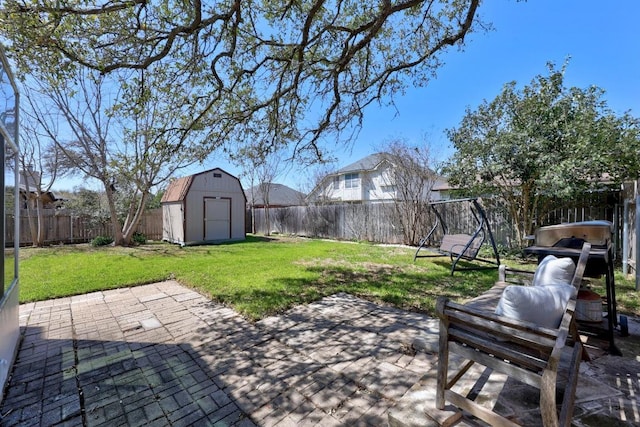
[[553, 271], [542, 305]]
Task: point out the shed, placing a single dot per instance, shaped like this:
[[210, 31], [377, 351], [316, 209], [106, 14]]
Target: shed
[[207, 207]]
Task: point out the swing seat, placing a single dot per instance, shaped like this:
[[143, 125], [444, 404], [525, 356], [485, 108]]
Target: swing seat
[[461, 245]]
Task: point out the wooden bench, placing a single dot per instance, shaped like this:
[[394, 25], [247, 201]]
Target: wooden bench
[[522, 350]]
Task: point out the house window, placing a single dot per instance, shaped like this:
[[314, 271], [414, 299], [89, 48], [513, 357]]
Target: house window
[[336, 182], [351, 180]]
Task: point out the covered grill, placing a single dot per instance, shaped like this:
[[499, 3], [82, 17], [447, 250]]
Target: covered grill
[[598, 233], [567, 239]]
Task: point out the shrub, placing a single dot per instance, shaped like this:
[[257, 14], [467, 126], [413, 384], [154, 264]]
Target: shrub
[[139, 238], [102, 241]]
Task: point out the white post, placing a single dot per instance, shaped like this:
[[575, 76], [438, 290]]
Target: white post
[[637, 243], [625, 238]]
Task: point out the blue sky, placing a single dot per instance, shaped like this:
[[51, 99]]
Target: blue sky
[[601, 38]]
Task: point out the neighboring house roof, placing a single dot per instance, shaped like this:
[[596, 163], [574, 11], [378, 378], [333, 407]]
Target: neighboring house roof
[[441, 184], [279, 195], [370, 162], [32, 186], [32, 178], [369, 165]]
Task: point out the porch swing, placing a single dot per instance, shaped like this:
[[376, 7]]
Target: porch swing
[[460, 246]]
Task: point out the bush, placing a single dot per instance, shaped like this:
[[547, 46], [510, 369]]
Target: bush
[[101, 241], [139, 238]]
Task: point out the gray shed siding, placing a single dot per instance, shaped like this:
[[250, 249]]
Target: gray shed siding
[[212, 209], [172, 222]]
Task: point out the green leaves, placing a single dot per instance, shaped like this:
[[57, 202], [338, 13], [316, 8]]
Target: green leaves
[[541, 142]]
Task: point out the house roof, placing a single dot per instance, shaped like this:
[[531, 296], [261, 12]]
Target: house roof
[[29, 180], [370, 163], [279, 194], [366, 163], [441, 184], [32, 185]]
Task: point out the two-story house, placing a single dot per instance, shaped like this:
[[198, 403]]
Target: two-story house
[[368, 180]]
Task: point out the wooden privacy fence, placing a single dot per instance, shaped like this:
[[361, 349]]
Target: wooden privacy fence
[[630, 243], [368, 222], [64, 227], [343, 222], [372, 222], [379, 222]]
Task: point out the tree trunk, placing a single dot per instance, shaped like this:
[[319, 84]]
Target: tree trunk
[[253, 219], [41, 229], [267, 231], [118, 238], [133, 219], [32, 225]]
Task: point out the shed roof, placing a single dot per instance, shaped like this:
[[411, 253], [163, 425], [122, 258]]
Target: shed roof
[[177, 189]]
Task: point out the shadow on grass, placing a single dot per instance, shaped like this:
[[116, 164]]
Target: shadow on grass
[[410, 289], [155, 248], [248, 239]]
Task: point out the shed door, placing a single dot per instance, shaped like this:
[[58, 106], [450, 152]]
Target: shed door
[[217, 219]]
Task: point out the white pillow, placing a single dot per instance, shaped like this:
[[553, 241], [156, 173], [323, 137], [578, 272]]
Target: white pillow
[[542, 305], [553, 271]]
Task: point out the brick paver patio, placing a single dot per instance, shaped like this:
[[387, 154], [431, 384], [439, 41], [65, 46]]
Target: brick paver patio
[[164, 355]]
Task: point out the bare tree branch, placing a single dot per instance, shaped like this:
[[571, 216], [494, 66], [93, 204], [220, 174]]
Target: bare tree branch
[[295, 72]]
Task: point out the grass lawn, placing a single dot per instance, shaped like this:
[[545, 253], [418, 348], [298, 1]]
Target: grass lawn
[[264, 276]]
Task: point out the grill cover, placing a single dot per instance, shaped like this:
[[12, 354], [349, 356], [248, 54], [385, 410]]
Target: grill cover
[[598, 233]]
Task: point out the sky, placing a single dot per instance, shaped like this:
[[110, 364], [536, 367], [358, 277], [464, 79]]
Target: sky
[[602, 40]]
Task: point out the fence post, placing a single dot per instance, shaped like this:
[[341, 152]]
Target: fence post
[[625, 238], [637, 242]]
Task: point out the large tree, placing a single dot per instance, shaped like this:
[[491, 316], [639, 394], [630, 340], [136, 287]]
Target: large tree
[[542, 143], [118, 130], [290, 71]]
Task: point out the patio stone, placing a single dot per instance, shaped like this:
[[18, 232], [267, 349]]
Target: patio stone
[[162, 354]]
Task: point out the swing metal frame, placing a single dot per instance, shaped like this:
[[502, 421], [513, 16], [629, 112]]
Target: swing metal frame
[[461, 246]]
